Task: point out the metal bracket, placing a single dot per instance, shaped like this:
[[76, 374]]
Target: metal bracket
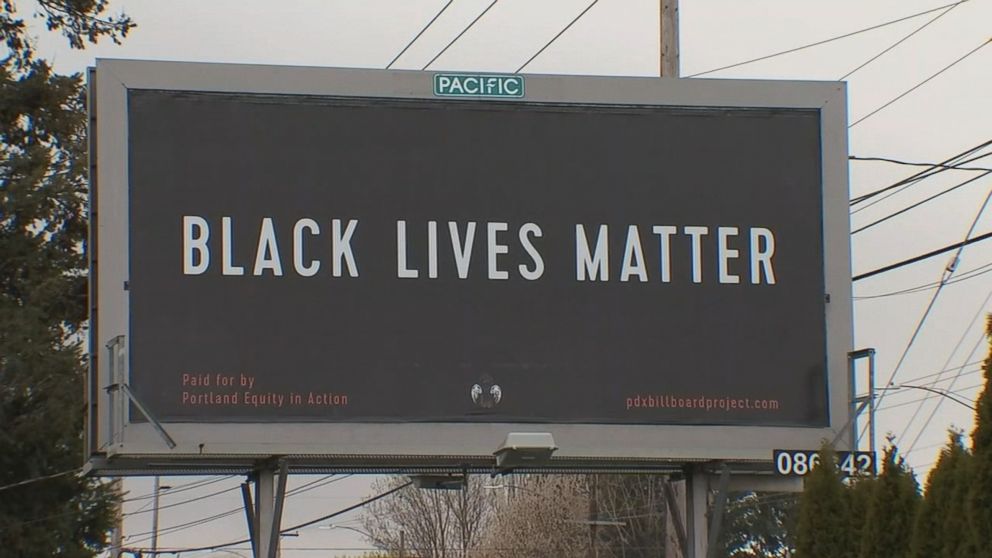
[[122, 393]]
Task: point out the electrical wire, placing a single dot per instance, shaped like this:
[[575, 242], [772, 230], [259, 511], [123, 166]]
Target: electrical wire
[[184, 502], [422, 31], [455, 40], [181, 488], [925, 398], [921, 257], [313, 485], [970, 274], [555, 38], [945, 276], [899, 42], [940, 402], [913, 164], [920, 84], [830, 40], [921, 202], [901, 185], [38, 479], [298, 526]]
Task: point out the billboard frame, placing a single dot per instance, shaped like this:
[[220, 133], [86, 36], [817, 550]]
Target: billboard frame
[[208, 447]]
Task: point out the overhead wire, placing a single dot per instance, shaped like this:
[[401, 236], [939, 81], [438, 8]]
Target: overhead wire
[[964, 276], [949, 164], [925, 398], [308, 523], [39, 479], [181, 488], [899, 42], [945, 276], [313, 485], [921, 202], [830, 40], [921, 257], [459, 36], [940, 401], [920, 84], [422, 31], [555, 38], [916, 164]]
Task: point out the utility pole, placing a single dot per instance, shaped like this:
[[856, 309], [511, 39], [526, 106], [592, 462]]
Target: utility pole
[[669, 34]]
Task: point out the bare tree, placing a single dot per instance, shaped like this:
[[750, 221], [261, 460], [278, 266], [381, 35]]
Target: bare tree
[[541, 516], [429, 523]]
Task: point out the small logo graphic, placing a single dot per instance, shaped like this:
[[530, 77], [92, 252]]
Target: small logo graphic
[[486, 394], [478, 85]]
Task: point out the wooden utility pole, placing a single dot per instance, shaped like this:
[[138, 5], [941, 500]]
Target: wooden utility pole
[[669, 33]]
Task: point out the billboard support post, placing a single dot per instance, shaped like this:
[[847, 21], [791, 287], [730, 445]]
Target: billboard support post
[[719, 507], [265, 515]]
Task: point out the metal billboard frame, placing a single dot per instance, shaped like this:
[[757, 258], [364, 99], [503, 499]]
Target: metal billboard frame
[[118, 446]]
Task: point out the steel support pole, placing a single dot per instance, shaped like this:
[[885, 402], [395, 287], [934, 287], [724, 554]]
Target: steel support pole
[[155, 501], [697, 494], [264, 500]]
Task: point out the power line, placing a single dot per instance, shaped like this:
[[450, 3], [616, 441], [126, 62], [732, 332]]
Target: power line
[[899, 42], [921, 202], [830, 40], [422, 31], [455, 40], [313, 485], [921, 257], [960, 369], [555, 38], [933, 412], [920, 84], [926, 173], [947, 274], [964, 276], [301, 525], [184, 502], [38, 479], [924, 398], [181, 488], [912, 164]]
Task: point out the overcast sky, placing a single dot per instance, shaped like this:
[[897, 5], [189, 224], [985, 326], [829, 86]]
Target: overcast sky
[[620, 38]]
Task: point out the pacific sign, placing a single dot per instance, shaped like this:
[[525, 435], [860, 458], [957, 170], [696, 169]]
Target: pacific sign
[[478, 85]]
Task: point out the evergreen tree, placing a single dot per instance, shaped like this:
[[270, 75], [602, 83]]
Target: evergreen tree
[[892, 510], [43, 290], [941, 526], [980, 492], [859, 495], [759, 525], [823, 530]]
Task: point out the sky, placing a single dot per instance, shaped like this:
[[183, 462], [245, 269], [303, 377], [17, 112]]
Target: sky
[[942, 117]]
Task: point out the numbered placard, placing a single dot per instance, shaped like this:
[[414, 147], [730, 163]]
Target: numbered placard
[[798, 463]]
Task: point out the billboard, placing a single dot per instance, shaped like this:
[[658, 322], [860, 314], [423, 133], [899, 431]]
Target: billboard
[[354, 263]]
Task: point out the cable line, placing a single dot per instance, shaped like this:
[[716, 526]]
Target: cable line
[[912, 164], [38, 479], [455, 40], [899, 42], [555, 38], [957, 376], [830, 40], [422, 31], [970, 274], [947, 274], [921, 202], [922, 257], [298, 526], [946, 165], [921, 84]]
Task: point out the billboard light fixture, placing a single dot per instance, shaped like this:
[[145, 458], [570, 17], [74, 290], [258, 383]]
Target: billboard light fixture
[[522, 449]]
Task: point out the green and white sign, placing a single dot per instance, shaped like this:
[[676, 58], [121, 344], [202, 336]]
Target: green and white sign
[[478, 85]]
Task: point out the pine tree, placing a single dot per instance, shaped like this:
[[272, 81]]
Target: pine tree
[[823, 530], [980, 481], [941, 526], [892, 510], [43, 290], [859, 495]]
